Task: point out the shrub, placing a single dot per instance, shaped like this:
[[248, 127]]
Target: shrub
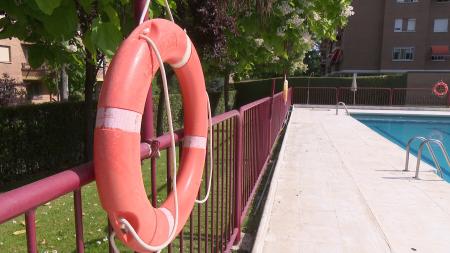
[[11, 92]]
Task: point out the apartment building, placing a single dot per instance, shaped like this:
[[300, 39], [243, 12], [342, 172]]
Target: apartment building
[[14, 62], [396, 36]]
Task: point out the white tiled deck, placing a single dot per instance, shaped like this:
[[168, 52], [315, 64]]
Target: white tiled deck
[[339, 187]]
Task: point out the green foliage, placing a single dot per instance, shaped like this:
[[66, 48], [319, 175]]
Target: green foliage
[[67, 32], [36, 138], [47, 6], [11, 92], [277, 43]]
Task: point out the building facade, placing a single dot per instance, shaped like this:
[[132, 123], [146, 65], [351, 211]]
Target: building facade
[[14, 62], [395, 36]]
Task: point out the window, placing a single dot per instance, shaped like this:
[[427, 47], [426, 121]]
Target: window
[[442, 1], [5, 54], [439, 57], [440, 25], [439, 52], [411, 25], [403, 54], [398, 26], [407, 1]]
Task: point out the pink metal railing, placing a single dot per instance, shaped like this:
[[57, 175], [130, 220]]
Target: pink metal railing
[[368, 96], [242, 146], [417, 96], [315, 95]]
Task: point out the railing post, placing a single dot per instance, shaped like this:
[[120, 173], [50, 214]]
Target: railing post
[[77, 202], [147, 130], [238, 176], [271, 111], [30, 223], [448, 99], [391, 96], [337, 95]]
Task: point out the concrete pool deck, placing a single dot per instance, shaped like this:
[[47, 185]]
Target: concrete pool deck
[[338, 186]]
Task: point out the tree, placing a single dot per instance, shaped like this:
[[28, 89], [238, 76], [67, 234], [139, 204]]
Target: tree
[[11, 92], [259, 38], [80, 33]]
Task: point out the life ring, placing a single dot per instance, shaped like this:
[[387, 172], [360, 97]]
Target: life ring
[[440, 89], [117, 133]]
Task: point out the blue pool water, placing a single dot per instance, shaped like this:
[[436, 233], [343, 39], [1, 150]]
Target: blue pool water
[[399, 129]]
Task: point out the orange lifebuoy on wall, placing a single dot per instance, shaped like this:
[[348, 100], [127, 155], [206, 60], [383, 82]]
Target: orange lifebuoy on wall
[[117, 134], [440, 89]]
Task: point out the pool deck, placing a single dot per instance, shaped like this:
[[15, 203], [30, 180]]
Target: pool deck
[[339, 187]]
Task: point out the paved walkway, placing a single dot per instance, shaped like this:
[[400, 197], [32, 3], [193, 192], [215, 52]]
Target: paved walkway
[[339, 187]]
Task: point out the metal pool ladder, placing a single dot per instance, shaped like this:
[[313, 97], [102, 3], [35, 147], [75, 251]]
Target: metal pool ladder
[[426, 142], [345, 107]]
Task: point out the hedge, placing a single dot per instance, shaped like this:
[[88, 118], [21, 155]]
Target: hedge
[[248, 91], [34, 138], [38, 140]]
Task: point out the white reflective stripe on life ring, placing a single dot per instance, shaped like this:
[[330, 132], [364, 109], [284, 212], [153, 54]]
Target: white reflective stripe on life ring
[[194, 142], [116, 118], [170, 219]]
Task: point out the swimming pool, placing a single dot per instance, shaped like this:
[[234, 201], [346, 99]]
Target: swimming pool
[[400, 128]]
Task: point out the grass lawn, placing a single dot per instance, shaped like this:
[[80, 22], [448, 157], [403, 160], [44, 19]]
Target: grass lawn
[[55, 222]]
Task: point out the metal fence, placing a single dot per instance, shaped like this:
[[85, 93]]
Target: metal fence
[[369, 96], [242, 145]]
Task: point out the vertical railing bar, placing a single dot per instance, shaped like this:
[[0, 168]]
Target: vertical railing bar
[[249, 168], [228, 172], [78, 220], [153, 182], [223, 167], [219, 166], [30, 226], [227, 186], [253, 146], [169, 169], [110, 230], [199, 217], [244, 160], [191, 230], [215, 143], [206, 189], [237, 179], [181, 237]]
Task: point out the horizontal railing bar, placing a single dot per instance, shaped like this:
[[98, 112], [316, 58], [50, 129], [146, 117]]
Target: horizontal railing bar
[[253, 104], [22, 199], [365, 88], [224, 116]]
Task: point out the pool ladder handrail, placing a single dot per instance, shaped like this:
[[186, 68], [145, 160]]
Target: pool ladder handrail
[[345, 107], [426, 142]]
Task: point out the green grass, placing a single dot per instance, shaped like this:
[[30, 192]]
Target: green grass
[[55, 223]]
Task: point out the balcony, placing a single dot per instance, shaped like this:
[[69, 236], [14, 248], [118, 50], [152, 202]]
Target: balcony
[[28, 73]]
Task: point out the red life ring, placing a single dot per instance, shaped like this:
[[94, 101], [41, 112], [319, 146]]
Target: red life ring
[[440, 89], [117, 133]]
